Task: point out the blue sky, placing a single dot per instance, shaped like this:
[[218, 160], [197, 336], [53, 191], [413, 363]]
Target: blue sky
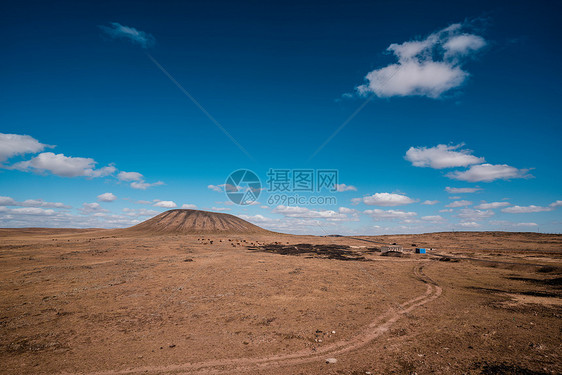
[[98, 129]]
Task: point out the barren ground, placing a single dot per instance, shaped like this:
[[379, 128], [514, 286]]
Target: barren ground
[[90, 302]]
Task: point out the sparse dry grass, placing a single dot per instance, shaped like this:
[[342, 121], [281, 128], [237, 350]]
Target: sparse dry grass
[[87, 301]]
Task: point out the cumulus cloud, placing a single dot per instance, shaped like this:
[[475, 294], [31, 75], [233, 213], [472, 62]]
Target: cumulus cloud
[[379, 215], [526, 209], [556, 204], [64, 166], [107, 197], [303, 212], [469, 214], [344, 187], [139, 212], [137, 180], [429, 203], [511, 224], [442, 156], [92, 208], [459, 204], [433, 218], [16, 144], [463, 44], [427, 67], [345, 210], [294, 225], [35, 217], [8, 201], [489, 172], [491, 205], [118, 31], [32, 211], [384, 200], [141, 185], [59, 164], [165, 204], [217, 188], [220, 209], [257, 219], [469, 224], [187, 206], [452, 190], [130, 176]]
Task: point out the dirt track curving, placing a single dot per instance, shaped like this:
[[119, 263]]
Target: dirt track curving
[[376, 328]]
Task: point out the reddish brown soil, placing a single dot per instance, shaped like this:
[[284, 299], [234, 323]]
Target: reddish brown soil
[[194, 222], [114, 302]]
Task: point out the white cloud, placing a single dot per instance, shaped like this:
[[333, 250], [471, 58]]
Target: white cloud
[[378, 215], [220, 209], [303, 212], [137, 180], [141, 185], [139, 212], [429, 203], [92, 208], [64, 166], [144, 202], [217, 188], [463, 44], [187, 206], [130, 176], [107, 197], [8, 201], [446, 210], [556, 204], [16, 144], [32, 211], [452, 190], [165, 204], [41, 203], [492, 205], [35, 217], [427, 67], [469, 214], [459, 204], [489, 172], [511, 224], [433, 218], [526, 209], [469, 224], [384, 200], [118, 31], [294, 225], [345, 210], [257, 219], [442, 156], [344, 187]]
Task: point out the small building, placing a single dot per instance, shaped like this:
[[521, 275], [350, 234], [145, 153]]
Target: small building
[[420, 250], [388, 248]]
